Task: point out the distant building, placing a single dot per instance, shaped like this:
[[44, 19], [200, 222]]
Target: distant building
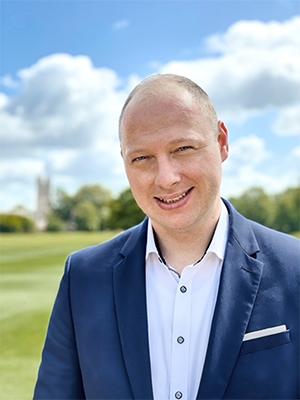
[[43, 203]]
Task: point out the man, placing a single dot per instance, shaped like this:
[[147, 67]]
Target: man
[[196, 301]]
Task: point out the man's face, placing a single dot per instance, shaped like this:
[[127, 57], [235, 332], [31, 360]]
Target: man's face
[[172, 155]]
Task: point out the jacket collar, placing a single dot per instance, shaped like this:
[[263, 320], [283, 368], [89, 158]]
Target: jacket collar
[[241, 231], [239, 284], [131, 311]]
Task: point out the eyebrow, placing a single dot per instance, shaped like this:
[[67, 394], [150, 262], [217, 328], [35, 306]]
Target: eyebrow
[[134, 151], [183, 139], [180, 140]]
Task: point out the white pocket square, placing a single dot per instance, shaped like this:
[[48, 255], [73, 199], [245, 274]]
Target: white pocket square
[[264, 332]]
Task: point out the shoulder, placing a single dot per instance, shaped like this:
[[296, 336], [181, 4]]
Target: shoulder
[[103, 255], [278, 241], [255, 238], [279, 255], [270, 237], [279, 252], [246, 230]]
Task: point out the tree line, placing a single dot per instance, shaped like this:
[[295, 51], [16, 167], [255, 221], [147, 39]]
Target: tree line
[[280, 211], [94, 208]]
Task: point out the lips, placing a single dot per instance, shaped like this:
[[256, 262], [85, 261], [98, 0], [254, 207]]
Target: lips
[[173, 200]]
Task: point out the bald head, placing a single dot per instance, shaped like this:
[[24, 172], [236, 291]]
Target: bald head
[[156, 87]]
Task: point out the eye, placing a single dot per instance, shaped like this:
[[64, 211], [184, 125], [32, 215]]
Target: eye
[[183, 148], [139, 159]]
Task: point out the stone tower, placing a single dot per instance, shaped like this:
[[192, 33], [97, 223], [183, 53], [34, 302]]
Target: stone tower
[[43, 203]]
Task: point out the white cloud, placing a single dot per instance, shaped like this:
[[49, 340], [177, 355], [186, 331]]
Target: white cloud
[[288, 121], [248, 150], [3, 100], [8, 82], [252, 68], [255, 35], [21, 168], [248, 176], [296, 153], [18, 180], [61, 159], [241, 170], [64, 102], [121, 24], [63, 117], [244, 168]]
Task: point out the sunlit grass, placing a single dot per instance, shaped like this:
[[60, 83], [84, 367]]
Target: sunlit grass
[[30, 269]]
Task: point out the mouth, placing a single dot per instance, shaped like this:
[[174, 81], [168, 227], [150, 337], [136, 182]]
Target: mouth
[[174, 200]]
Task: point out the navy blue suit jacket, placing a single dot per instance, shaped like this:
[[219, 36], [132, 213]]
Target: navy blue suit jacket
[[97, 341]]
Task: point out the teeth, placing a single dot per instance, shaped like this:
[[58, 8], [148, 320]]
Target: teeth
[[173, 200]]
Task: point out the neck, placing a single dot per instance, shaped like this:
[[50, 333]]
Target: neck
[[182, 248]]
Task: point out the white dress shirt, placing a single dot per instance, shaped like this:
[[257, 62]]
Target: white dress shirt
[[180, 311]]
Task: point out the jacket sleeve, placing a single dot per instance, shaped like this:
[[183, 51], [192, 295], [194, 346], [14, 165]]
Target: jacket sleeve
[[59, 375]]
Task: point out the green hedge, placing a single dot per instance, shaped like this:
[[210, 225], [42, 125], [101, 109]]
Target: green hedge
[[15, 223]]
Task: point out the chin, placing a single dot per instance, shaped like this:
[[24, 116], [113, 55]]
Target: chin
[[176, 223]]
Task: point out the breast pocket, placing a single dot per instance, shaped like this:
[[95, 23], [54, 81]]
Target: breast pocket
[[266, 342]]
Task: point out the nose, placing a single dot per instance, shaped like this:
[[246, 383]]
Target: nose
[[167, 173]]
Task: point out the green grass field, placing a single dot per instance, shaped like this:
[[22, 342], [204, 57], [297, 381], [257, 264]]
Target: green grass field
[[31, 266], [30, 269]]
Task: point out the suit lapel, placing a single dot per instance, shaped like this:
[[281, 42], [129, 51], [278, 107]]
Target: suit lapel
[[130, 301], [240, 279]]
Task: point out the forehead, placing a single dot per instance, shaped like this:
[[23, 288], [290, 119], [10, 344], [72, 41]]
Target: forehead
[[159, 109]]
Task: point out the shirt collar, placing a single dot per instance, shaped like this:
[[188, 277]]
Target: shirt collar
[[219, 240], [151, 246], [217, 245]]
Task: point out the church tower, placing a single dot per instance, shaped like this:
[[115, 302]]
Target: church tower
[[43, 203]]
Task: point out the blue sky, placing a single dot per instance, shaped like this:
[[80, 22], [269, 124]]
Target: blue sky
[[67, 66]]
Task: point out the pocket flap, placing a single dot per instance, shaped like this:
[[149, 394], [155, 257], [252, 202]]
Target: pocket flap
[[266, 342]]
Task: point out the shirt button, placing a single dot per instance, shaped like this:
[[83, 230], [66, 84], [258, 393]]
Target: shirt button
[[180, 339], [183, 289], [178, 395]]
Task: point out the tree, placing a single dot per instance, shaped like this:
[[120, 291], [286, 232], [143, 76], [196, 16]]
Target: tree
[[55, 223], [86, 216], [124, 211], [64, 205], [287, 214], [96, 194], [92, 200], [100, 197], [256, 205], [16, 223]]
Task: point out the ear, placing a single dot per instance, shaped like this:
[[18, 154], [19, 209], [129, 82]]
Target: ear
[[223, 140]]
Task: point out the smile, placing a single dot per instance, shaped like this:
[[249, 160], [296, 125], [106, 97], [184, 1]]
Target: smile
[[174, 199]]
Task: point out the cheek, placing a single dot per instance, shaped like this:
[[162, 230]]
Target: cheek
[[206, 171], [138, 183]]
